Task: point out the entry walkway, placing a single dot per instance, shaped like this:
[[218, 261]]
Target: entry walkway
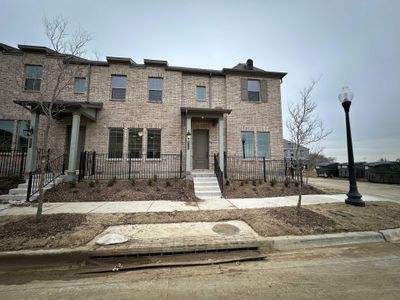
[[169, 206]]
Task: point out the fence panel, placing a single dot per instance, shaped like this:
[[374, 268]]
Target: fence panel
[[12, 164]]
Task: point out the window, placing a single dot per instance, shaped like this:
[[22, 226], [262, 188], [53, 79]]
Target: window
[[253, 90], [115, 143], [80, 85], [22, 142], [248, 144], [135, 142], [33, 77], [118, 87], [6, 135], [153, 143], [263, 145], [201, 92], [155, 89]]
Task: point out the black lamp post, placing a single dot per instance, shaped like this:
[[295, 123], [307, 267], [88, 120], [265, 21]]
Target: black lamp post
[[354, 197]]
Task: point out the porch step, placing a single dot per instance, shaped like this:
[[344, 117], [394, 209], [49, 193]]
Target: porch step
[[8, 198], [202, 173], [206, 185], [18, 191]]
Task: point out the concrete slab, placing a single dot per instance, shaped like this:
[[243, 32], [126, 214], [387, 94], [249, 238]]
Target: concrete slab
[[261, 202], [74, 207], [18, 211], [163, 205], [391, 235], [215, 204], [123, 207], [179, 237]]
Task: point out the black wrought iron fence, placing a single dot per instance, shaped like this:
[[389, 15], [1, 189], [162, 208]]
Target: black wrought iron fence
[[95, 165], [218, 173], [54, 169], [12, 164]]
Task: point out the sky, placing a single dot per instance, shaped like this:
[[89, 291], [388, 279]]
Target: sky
[[353, 43]]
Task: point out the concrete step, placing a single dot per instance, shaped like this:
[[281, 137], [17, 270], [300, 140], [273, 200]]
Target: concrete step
[[23, 186], [205, 179], [7, 198], [208, 194], [208, 186], [205, 183], [17, 191], [217, 190], [197, 174]]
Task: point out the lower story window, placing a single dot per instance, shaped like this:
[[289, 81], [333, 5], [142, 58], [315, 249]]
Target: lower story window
[[135, 142], [247, 144], [22, 142], [153, 143], [115, 143], [6, 134], [263, 144]]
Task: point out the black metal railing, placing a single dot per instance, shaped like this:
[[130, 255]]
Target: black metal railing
[[12, 164], [218, 173], [239, 168], [54, 169], [95, 165]]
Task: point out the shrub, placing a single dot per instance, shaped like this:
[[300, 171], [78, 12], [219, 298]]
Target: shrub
[[155, 178], [246, 181], [254, 183], [133, 181], [167, 183], [272, 182], [72, 184], [97, 182], [259, 181], [296, 183], [150, 182], [227, 183], [286, 182], [92, 184], [242, 183], [111, 182]]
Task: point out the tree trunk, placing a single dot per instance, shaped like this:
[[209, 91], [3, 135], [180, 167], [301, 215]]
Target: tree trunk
[[299, 189], [43, 163]]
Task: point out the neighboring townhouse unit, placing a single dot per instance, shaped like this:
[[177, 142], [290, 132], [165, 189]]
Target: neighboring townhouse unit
[[118, 106], [289, 149]]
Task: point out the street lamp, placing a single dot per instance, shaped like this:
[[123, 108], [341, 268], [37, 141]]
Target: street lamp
[[354, 197]]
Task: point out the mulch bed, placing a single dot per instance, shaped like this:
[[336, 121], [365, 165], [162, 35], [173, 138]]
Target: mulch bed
[[259, 188], [123, 190], [72, 230]]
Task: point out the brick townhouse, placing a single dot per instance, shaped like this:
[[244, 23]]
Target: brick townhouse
[[119, 106]]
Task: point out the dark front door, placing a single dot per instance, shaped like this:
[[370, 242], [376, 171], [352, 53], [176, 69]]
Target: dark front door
[[200, 149], [81, 143]]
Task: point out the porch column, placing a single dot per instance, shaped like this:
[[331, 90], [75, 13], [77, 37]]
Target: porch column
[[221, 142], [73, 150], [31, 155], [187, 143]]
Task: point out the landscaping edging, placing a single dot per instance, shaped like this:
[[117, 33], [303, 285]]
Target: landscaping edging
[[267, 245]]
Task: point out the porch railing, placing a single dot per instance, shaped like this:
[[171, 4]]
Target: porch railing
[[218, 173], [94, 165], [54, 169]]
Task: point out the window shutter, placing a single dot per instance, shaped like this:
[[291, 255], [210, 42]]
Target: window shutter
[[264, 90], [245, 95]]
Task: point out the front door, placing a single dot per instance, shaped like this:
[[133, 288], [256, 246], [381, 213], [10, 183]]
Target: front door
[[200, 149], [81, 142]]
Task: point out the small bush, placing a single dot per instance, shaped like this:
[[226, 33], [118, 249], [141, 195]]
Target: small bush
[[272, 182], [133, 181], [150, 182], [97, 182], [227, 183], [167, 184], [158, 189], [254, 189], [242, 183], [254, 183], [296, 184], [286, 182], [72, 184], [259, 181], [92, 184], [246, 181], [111, 182], [155, 178]]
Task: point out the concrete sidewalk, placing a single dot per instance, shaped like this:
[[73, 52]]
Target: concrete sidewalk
[[169, 206]]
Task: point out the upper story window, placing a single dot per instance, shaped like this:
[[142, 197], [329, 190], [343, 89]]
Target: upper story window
[[153, 143], [80, 85], [248, 144], [33, 77], [6, 134], [135, 142], [115, 143], [155, 89], [253, 90], [263, 144], [118, 87], [200, 92]]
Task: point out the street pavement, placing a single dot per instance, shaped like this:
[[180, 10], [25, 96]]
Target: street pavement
[[384, 191], [368, 271]]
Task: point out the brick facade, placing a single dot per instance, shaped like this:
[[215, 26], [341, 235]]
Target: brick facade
[[223, 90]]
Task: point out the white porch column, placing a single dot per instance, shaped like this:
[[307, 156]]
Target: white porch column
[[221, 139], [187, 143], [73, 150], [31, 156]]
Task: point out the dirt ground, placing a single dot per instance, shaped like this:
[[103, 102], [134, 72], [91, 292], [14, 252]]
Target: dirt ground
[[259, 188], [72, 230], [123, 190]]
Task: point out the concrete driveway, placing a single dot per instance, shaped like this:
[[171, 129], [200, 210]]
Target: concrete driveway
[[387, 191]]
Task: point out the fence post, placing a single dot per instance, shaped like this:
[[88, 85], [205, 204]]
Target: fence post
[[28, 192], [21, 165], [80, 167], [63, 164], [265, 173], [225, 167], [130, 160], [94, 163], [180, 164]]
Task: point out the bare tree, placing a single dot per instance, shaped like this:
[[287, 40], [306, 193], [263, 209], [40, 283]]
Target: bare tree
[[66, 49], [305, 128]]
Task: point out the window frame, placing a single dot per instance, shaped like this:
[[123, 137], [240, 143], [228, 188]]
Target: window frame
[[33, 78], [244, 156], [118, 87], [12, 136], [116, 157], [249, 91], [149, 130], [84, 85], [205, 92], [140, 152], [150, 90]]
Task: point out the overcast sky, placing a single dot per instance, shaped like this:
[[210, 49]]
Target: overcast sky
[[349, 42]]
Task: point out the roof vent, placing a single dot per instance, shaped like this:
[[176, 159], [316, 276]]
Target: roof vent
[[249, 64]]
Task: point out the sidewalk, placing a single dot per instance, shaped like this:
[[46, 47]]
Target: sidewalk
[[169, 206]]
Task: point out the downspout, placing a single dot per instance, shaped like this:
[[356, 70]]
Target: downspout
[[88, 84]]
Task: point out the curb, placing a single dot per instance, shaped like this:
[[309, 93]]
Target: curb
[[391, 235], [286, 243]]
